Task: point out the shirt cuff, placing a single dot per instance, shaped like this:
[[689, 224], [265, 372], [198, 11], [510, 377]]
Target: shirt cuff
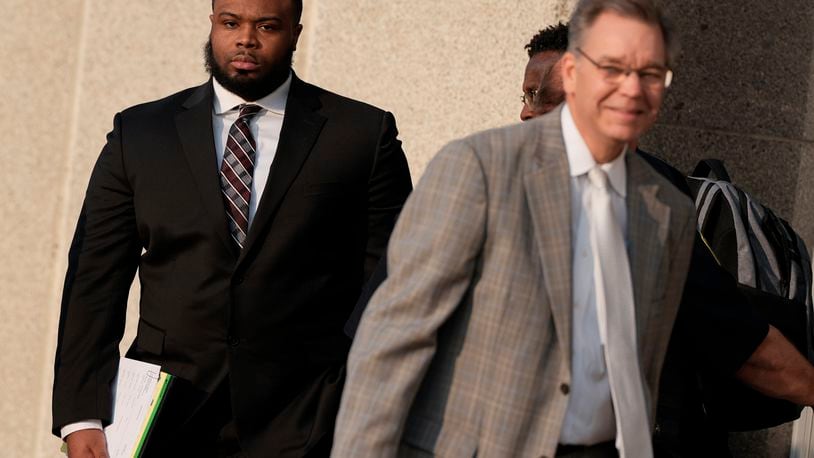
[[78, 426]]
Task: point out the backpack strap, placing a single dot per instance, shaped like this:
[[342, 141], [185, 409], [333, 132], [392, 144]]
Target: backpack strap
[[710, 189], [703, 200], [711, 168]]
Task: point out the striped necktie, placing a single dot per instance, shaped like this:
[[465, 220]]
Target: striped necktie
[[236, 173]]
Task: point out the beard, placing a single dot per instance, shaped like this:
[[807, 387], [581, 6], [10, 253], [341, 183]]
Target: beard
[[249, 89]]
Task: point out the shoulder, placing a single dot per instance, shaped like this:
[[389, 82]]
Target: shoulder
[[169, 106], [669, 172], [515, 147], [644, 173], [332, 104]]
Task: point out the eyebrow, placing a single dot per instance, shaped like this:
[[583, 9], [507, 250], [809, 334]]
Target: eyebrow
[[614, 60], [227, 14]]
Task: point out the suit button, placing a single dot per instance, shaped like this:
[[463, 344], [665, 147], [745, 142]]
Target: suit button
[[565, 389], [233, 341], [239, 280]]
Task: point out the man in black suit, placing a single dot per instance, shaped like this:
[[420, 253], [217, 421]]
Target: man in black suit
[[254, 207]]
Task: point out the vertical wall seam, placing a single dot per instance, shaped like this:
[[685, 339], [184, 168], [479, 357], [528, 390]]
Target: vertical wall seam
[[62, 233], [304, 57]]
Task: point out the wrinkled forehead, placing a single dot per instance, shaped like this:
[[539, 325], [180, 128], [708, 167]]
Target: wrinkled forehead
[[616, 38]]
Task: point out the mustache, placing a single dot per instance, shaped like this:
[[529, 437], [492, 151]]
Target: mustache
[[269, 77]]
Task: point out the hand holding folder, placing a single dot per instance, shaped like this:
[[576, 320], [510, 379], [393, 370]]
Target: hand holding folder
[[139, 391]]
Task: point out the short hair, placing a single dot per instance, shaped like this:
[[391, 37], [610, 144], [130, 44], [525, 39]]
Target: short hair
[[586, 12], [296, 4], [552, 38]]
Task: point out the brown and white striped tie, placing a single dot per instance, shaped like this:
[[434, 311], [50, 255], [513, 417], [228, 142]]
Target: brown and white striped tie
[[236, 173]]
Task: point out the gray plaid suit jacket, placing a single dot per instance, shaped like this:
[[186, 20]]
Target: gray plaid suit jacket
[[465, 349]]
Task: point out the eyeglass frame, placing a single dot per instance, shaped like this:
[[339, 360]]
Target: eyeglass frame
[[535, 98], [528, 97], [624, 72]]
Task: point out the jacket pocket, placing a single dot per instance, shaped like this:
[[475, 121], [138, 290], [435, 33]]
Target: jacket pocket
[[150, 338]]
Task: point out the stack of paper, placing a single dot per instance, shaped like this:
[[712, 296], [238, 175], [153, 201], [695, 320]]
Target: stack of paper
[[139, 390]]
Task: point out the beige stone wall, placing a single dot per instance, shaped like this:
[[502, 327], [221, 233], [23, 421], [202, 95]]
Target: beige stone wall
[[444, 68], [68, 67], [37, 82]]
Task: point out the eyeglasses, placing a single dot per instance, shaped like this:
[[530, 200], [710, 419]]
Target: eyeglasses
[[528, 97], [541, 101], [653, 77]]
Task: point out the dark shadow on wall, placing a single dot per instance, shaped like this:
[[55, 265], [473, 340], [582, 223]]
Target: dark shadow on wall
[[741, 94]]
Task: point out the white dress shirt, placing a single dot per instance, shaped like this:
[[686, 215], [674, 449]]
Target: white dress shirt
[[265, 126], [589, 416]]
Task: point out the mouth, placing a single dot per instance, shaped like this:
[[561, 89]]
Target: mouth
[[627, 113], [244, 62]]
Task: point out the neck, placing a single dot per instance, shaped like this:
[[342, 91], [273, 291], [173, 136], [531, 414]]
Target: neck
[[605, 153]]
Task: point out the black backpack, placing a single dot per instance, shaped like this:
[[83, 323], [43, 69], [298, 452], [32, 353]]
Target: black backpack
[[772, 266]]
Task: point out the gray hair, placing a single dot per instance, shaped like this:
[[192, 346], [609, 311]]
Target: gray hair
[[586, 12]]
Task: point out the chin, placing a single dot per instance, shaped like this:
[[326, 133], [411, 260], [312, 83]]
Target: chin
[[243, 76], [622, 135]]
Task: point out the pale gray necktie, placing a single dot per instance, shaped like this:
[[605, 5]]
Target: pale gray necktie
[[617, 322]]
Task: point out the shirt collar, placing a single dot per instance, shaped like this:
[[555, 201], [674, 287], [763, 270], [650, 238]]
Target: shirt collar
[[274, 102], [580, 159]]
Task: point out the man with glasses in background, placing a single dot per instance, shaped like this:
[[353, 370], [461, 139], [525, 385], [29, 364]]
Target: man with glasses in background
[[534, 274], [542, 79]]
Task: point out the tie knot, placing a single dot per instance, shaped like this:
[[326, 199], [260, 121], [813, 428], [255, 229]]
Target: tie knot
[[598, 177], [247, 110]]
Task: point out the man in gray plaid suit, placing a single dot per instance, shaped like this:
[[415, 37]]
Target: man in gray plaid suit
[[491, 335]]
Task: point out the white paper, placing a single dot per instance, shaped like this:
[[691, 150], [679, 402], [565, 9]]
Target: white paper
[[134, 389]]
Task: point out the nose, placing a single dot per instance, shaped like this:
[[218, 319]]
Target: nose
[[247, 37], [631, 85], [526, 113]]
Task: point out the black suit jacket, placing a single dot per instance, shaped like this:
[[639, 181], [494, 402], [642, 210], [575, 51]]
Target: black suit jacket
[[269, 316]]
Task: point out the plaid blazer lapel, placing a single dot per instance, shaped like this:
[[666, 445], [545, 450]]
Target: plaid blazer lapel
[[648, 228], [548, 192]]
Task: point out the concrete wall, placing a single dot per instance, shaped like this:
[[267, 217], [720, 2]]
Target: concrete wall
[[444, 68], [68, 67], [744, 93], [37, 82]]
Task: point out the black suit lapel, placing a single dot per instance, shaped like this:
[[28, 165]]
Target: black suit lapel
[[301, 128], [197, 140]]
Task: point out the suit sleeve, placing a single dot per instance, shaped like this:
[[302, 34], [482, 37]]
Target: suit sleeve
[[379, 275], [716, 320], [102, 262], [389, 185], [431, 260]]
